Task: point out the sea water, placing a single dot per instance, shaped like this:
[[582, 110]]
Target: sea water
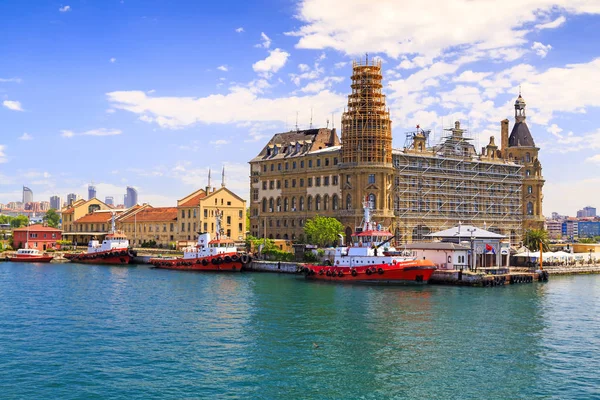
[[71, 331]]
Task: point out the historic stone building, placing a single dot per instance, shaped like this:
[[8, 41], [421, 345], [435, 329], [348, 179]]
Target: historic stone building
[[412, 191]]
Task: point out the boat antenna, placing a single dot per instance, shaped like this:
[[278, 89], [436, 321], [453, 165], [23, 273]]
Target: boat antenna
[[311, 115]]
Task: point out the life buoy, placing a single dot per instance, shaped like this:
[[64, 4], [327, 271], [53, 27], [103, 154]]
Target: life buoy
[[197, 261], [328, 262], [123, 253], [245, 258], [214, 261], [234, 258], [380, 271], [227, 259], [328, 273], [219, 260], [368, 271], [204, 262], [353, 272], [340, 273]]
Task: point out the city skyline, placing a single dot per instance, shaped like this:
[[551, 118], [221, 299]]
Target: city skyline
[[171, 114]]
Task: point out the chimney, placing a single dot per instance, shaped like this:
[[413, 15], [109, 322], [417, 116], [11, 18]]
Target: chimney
[[504, 137]]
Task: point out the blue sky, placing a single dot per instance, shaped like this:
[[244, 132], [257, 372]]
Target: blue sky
[[153, 93]]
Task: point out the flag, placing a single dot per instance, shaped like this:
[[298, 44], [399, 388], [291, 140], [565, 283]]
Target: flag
[[489, 247]]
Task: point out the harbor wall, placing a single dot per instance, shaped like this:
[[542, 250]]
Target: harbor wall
[[274, 266]]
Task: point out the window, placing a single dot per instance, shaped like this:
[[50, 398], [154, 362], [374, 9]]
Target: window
[[527, 173], [309, 183], [189, 213], [285, 184], [264, 185], [206, 212], [285, 204], [271, 204], [264, 205], [334, 180], [278, 184], [255, 194], [309, 203], [228, 220], [271, 184], [301, 203], [241, 214], [171, 227], [294, 165], [265, 168], [278, 166], [293, 183], [183, 227], [302, 164], [371, 178], [530, 208], [205, 227], [529, 190], [240, 227], [195, 215], [527, 157], [309, 163], [372, 200], [189, 227], [182, 213], [334, 202], [301, 182], [326, 181], [293, 204], [278, 204], [272, 167], [335, 161], [348, 201], [318, 162], [325, 202], [347, 178], [327, 162], [318, 181], [287, 166]]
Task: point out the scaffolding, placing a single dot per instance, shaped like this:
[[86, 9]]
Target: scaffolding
[[450, 184], [366, 124]]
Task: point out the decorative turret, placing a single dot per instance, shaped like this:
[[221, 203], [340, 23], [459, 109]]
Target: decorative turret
[[520, 135]]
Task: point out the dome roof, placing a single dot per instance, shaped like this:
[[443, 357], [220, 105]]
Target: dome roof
[[520, 136], [519, 100]]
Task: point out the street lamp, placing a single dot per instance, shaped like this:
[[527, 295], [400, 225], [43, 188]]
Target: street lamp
[[473, 262]]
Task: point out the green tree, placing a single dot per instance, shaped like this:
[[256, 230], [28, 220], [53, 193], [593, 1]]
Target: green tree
[[52, 218], [533, 238], [323, 231], [19, 221], [587, 240], [253, 243]]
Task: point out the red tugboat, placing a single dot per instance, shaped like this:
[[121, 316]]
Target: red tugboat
[[30, 255], [369, 259], [219, 254], [114, 250]]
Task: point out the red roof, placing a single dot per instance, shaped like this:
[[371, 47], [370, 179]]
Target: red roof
[[69, 210], [37, 227], [194, 201], [157, 214], [94, 218]]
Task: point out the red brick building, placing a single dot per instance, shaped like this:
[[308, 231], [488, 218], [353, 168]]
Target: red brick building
[[40, 237]]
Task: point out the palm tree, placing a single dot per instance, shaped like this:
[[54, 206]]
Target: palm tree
[[535, 237]]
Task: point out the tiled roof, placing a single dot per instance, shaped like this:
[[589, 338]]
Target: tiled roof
[[157, 214], [194, 201], [37, 227], [69, 210], [94, 218]]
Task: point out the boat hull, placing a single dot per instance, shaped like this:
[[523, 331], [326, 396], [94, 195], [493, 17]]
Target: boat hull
[[406, 272], [120, 257], [33, 259], [221, 263]]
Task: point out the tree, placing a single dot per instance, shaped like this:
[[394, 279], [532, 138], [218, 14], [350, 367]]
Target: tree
[[323, 231], [19, 221], [254, 243], [533, 238], [52, 218]]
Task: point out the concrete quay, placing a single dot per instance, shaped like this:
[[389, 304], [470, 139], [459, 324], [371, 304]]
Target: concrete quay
[[281, 267]]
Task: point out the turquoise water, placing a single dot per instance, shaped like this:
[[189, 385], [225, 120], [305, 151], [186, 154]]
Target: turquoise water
[[72, 331]]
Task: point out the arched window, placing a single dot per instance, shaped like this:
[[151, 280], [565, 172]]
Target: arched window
[[530, 208], [371, 200], [301, 203], [325, 202], [348, 202], [529, 189], [318, 203], [271, 204], [509, 156], [278, 204], [293, 204], [286, 204], [264, 205], [527, 173], [334, 202], [527, 157], [309, 203]]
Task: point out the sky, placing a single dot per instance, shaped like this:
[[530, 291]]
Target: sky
[[154, 93]]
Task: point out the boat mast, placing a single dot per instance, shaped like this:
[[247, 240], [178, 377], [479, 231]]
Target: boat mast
[[113, 228]]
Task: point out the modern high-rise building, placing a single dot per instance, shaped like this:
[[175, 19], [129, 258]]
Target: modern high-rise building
[[44, 205], [131, 197], [587, 212], [109, 200], [91, 192], [72, 198], [55, 202], [27, 195], [412, 191]]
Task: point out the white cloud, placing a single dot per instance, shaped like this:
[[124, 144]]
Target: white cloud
[[273, 63], [470, 76], [341, 64], [325, 83], [25, 136], [93, 132], [594, 159], [303, 67], [266, 41], [12, 105], [178, 112], [3, 158], [240, 30], [113, 60], [541, 49], [223, 68], [110, 111], [402, 26], [9, 80], [555, 130], [64, 9], [220, 142], [552, 24]]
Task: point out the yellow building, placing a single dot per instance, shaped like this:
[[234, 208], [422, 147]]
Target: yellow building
[[196, 213], [77, 210], [148, 224]]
